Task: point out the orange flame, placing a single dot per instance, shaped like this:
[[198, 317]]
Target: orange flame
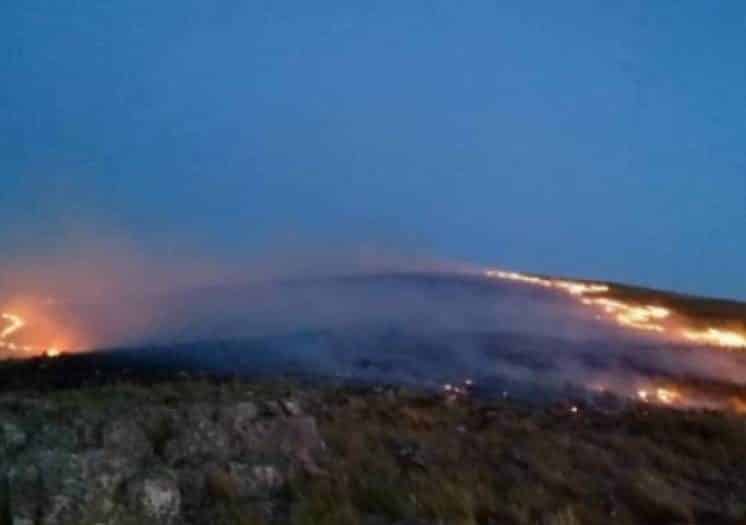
[[647, 318], [15, 323], [715, 337], [665, 396]]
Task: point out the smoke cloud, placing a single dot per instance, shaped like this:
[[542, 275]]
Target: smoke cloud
[[366, 315]]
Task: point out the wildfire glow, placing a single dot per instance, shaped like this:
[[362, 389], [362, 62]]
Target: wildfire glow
[[715, 337], [665, 396], [641, 317], [14, 324], [574, 288], [638, 317]]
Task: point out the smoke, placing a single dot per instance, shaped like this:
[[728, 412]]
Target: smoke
[[106, 290], [364, 314]]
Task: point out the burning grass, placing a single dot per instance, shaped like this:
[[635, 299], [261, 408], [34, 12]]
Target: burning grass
[[709, 322]]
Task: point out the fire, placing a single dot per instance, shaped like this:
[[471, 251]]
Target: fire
[[715, 337], [15, 323], [640, 317], [574, 288], [664, 396], [580, 288]]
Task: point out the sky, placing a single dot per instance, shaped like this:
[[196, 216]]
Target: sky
[[576, 138]]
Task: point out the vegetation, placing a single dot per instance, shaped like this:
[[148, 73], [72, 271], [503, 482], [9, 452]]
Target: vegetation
[[474, 463], [394, 455]]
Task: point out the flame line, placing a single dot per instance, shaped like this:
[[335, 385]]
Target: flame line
[[647, 318], [16, 323]]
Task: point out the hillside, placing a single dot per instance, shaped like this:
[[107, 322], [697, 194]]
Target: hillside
[[198, 451]]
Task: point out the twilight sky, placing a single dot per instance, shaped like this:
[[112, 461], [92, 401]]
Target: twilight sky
[[569, 138]]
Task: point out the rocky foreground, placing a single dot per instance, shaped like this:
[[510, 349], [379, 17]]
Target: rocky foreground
[[196, 451]]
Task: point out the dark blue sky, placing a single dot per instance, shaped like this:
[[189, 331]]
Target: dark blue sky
[[561, 137]]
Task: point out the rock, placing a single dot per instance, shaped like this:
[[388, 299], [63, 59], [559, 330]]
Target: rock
[[221, 485], [154, 496], [54, 437], [23, 492], [105, 471], [48, 484], [273, 408], [159, 424], [201, 442], [309, 465], [238, 417], [199, 412], [287, 437], [242, 481], [291, 407], [255, 480], [192, 483], [12, 436], [126, 437], [294, 434], [87, 431], [65, 488]]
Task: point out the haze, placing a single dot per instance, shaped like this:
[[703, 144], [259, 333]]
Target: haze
[[562, 138]]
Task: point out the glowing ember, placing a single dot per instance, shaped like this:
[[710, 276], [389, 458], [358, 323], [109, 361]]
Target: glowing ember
[[513, 276], [455, 390], [580, 288], [641, 317], [638, 317], [715, 337], [14, 324], [664, 396], [667, 396]]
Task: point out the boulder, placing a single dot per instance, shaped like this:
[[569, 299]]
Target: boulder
[[256, 480], [124, 436], [66, 488], [291, 407], [198, 443], [154, 497], [12, 436], [24, 492], [238, 417], [279, 436]]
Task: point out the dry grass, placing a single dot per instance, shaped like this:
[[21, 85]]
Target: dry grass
[[475, 463], [466, 464]]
